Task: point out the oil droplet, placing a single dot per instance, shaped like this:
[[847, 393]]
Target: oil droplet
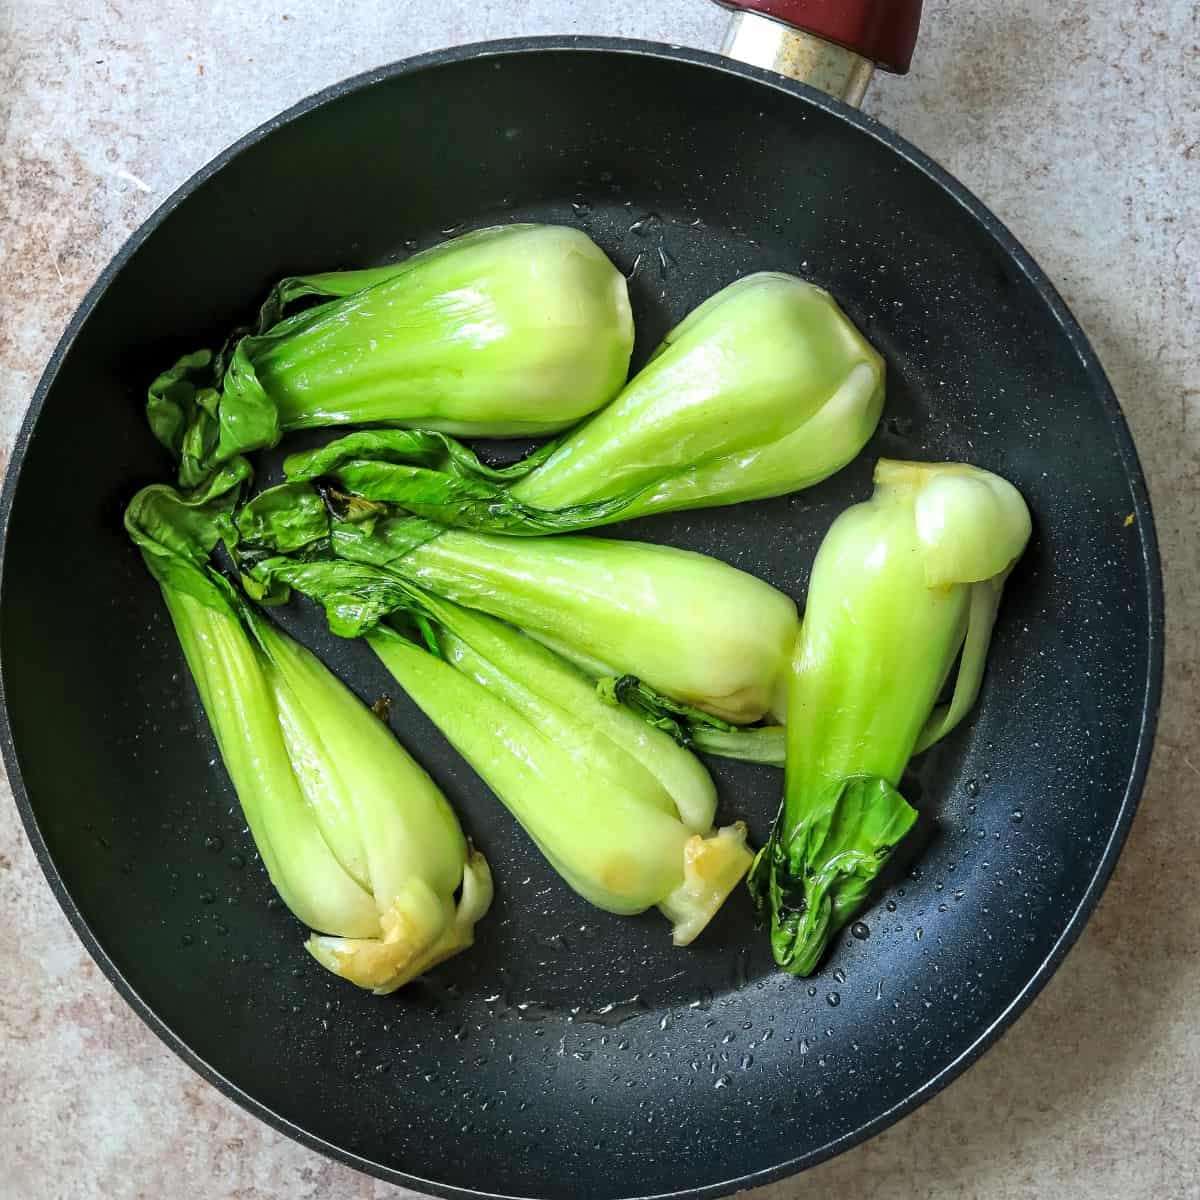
[[803, 1045], [747, 1061], [891, 906], [1017, 816], [214, 843], [860, 930], [237, 862], [812, 991], [728, 1038], [581, 207], [741, 971], [187, 939], [879, 990], [839, 975], [919, 934], [971, 787], [704, 1002], [723, 1081], [833, 999], [207, 897]]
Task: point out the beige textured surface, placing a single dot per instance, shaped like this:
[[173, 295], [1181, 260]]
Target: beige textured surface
[[1078, 121]]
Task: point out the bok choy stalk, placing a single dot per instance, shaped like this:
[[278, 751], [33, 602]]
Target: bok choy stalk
[[765, 388], [901, 587], [515, 330], [693, 628], [621, 812], [357, 839]]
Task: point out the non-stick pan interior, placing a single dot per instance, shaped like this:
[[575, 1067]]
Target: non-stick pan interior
[[574, 1054]]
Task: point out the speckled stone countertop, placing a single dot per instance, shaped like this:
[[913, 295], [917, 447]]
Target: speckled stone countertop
[[1078, 121]]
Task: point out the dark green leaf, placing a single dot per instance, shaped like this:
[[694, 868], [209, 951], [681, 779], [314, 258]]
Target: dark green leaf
[[284, 519], [381, 542], [181, 407], [355, 596], [433, 476], [178, 531], [409, 447], [208, 409], [247, 416], [817, 868]]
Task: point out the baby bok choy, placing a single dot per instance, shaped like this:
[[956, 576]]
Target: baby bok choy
[[691, 627], [620, 811], [902, 587], [514, 330], [357, 839], [765, 388]]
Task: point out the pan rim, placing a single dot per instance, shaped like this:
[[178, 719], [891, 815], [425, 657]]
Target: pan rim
[[1012, 248]]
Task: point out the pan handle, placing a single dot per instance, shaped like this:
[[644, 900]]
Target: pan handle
[[834, 45]]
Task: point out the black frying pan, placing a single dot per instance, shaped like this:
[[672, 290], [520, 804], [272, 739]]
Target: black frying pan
[[574, 1054]]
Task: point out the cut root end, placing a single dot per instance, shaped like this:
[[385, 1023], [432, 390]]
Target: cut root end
[[712, 867], [419, 931]]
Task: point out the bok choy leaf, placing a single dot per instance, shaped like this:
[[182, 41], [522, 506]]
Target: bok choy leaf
[[691, 627], [517, 330], [903, 586], [620, 811], [764, 389], [357, 839]]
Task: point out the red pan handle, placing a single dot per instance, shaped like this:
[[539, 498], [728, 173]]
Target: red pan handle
[[884, 31]]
